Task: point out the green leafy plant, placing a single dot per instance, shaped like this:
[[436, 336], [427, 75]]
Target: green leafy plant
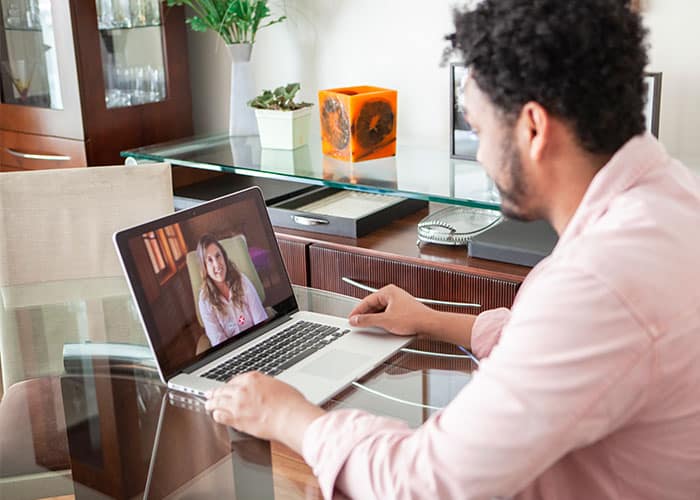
[[236, 21], [282, 98]]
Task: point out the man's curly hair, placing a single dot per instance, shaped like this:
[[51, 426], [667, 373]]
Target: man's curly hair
[[581, 60]]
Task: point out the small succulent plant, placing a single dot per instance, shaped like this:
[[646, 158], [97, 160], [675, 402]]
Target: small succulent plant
[[282, 98]]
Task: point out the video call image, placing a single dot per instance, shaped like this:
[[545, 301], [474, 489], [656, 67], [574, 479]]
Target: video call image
[[209, 278]]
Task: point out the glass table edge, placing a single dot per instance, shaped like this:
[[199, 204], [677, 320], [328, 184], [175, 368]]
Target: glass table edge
[[252, 172]]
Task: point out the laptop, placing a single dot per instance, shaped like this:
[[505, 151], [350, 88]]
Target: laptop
[[205, 324]]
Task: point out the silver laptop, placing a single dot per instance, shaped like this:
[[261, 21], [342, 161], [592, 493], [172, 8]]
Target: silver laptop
[[215, 300]]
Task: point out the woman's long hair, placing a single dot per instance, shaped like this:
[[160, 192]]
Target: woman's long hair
[[233, 276]]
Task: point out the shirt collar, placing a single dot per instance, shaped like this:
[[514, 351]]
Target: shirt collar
[[624, 170]]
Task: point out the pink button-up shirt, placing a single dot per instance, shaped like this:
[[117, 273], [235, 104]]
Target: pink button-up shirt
[[589, 386]]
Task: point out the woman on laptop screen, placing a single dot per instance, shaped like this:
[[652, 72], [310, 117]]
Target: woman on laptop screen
[[228, 301]]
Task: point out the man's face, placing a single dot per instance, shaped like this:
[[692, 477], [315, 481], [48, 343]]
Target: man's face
[[498, 152]]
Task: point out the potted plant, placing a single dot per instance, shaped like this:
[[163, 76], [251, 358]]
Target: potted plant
[[282, 122], [237, 22]]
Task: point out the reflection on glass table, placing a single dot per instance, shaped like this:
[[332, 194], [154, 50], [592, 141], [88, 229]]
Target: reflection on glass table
[[89, 421], [415, 172]]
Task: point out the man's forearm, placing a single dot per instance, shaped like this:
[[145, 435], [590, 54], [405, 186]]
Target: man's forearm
[[292, 427], [449, 327]]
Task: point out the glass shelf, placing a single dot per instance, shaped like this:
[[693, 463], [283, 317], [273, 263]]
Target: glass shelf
[[10, 30], [415, 172], [127, 14], [156, 25], [133, 65]]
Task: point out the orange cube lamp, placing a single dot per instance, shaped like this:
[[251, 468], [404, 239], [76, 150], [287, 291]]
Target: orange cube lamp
[[358, 123]]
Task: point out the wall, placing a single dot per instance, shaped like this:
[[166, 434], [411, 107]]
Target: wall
[[674, 39], [398, 44]]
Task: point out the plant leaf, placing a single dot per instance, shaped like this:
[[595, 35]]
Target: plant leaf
[[197, 24], [236, 21], [282, 98]]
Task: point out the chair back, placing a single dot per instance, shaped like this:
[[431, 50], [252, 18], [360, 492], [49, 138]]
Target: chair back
[[58, 224], [56, 230]]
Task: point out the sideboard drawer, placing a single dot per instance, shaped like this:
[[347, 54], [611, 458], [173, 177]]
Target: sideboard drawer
[[38, 152], [329, 266], [295, 260]]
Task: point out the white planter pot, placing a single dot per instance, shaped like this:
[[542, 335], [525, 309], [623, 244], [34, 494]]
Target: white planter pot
[[283, 129]]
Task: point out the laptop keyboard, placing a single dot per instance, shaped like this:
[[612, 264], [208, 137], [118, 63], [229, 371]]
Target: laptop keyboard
[[279, 352]]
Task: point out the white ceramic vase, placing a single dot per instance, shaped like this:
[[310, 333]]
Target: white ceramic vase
[[241, 119]]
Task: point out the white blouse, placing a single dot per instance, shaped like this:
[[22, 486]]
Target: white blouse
[[221, 325]]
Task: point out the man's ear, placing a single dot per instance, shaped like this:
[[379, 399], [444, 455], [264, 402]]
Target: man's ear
[[533, 126]]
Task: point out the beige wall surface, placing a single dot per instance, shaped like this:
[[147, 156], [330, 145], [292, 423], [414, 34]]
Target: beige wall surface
[[675, 51], [399, 43]]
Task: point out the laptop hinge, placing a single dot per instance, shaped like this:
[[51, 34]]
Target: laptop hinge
[[236, 344]]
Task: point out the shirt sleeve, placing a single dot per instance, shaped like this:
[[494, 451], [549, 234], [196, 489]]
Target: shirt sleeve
[[559, 379], [253, 300], [212, 326], [486, 330]]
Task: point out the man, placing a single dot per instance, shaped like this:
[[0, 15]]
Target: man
[[590, 385]]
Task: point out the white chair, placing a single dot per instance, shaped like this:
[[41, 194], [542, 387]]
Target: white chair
[[56, 248], [57, 226]]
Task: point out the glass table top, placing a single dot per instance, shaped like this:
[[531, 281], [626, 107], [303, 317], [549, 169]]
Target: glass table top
[[90, 417], [415, 172]]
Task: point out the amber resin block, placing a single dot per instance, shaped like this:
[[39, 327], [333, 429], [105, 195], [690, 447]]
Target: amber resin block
[[358, 123]]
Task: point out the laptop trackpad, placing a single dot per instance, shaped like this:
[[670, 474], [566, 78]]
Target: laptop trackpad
[[335, 364]]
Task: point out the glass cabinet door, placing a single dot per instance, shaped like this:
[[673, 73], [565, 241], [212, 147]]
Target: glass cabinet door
[[29, 73], [132, 51]]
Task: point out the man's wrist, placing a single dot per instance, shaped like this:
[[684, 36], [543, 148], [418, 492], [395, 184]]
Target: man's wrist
[[454, 328], [293, 426], [430, 324]]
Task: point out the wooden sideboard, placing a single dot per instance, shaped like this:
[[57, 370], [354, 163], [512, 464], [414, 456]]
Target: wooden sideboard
[[76, 67], [390, 255]]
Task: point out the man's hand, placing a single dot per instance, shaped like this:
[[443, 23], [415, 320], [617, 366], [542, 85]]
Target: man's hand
[[393, 309], [264, 407], [397, 311]]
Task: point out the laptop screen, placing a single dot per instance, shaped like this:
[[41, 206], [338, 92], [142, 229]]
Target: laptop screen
[[205, 276]]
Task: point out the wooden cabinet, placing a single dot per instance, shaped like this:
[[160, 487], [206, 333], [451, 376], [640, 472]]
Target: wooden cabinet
[[390, 256], [46, 151], [295, 257], [78, 84], [329, 266]]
